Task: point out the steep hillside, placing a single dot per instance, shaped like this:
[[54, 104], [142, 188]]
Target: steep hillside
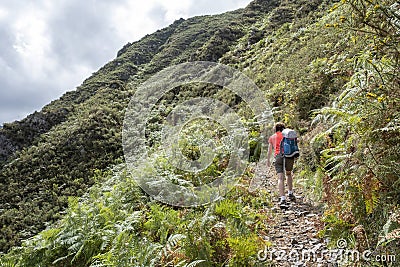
[[329, 70], [54, 153]]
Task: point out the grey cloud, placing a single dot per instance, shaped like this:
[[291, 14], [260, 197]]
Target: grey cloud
[[20, 97], [157, 13], [7, 53], [214, 7], [81, 34]]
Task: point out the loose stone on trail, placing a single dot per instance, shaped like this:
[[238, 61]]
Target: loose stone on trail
[[295, 229]]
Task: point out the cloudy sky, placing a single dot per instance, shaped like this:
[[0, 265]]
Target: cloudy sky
[[48, 47]]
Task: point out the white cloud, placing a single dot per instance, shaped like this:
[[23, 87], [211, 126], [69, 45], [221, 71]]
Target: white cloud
[[3, 13], [176, 9], [130, 20], [49, 47], [32, 45]]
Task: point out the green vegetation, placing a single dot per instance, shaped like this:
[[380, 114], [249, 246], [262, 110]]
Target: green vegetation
[[116, 224], [329, 70]]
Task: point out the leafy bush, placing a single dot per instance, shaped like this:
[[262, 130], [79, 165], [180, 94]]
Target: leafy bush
[[362, 126]]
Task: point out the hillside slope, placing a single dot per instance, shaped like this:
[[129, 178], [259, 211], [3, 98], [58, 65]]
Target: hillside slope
[[54, 153], [329, 70]]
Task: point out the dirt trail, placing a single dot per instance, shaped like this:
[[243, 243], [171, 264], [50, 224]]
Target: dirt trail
[[293, 232]]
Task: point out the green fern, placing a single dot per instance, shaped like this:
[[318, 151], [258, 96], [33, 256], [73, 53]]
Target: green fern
[[194, 263], [172, 243], [7, 262]]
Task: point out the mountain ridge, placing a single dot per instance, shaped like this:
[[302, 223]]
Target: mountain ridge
[[305, 56], [183, 40]]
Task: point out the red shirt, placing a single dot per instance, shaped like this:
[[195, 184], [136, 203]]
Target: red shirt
[[275, 141]]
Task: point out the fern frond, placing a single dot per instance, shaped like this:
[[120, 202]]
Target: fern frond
[[107, 237], [172, 242], [174, 239], [182, 263], [207, 217], [194, 263], [62, 258], [146, 255], [97, 263], [394, 129], [349, 93], [7, 263]]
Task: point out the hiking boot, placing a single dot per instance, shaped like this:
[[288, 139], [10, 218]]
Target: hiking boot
[[292, 197], [282, 204]]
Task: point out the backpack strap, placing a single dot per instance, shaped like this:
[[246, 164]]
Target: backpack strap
[[281, 146]]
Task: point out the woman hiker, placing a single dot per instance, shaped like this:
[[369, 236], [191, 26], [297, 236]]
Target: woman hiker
[[282, 165]]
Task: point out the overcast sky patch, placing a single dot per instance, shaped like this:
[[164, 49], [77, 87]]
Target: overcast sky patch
[[49, 47]]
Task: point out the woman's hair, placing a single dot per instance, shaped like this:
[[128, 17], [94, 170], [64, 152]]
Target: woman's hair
[[279, 127]]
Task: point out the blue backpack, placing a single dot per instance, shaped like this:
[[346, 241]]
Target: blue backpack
[[288, 146]]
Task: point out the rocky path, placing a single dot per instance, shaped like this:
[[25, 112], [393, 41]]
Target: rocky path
[[293, 232]]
